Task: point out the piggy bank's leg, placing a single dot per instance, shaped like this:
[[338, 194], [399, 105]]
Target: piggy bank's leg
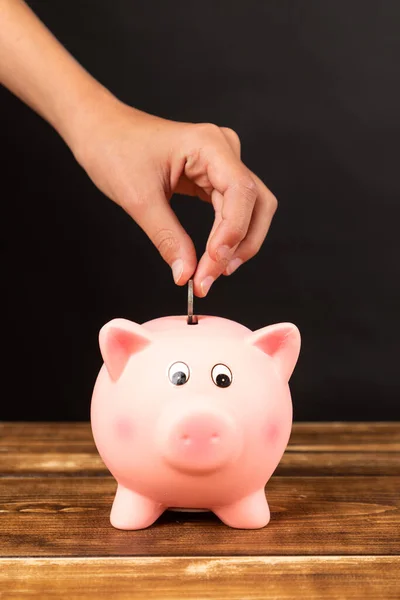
[[132, 511], [251, 512]]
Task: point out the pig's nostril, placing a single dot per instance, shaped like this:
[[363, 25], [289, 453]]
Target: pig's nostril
[[187, 440], [201, 441]]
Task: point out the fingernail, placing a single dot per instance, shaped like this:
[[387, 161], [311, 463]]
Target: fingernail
[[224, 253], [206, 284], [233, 265], [177, 269]]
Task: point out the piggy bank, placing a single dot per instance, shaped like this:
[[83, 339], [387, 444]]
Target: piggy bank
[[193, 416]]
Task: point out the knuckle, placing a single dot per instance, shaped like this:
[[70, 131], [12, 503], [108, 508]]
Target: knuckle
[[207, 130], [167, 244], [232, 135], [248, 187], [235, 233], [273, 203]]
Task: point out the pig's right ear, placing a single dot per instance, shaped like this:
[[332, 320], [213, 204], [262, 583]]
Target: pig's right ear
[[118, 340]]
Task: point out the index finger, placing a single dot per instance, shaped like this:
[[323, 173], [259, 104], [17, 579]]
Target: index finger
[[207, 269], [229, 176]]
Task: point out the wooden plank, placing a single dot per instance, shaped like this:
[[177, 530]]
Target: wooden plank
[[69, 516], [68, 449], [292, 463], [339, 463], [59, 463], [17, 433], [333, 437], [349, 436], [281, 578]]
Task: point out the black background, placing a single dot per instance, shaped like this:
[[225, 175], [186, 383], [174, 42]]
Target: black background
[[313, 90]]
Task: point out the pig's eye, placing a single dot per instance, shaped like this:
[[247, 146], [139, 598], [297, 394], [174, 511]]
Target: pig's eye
[[221, 376], [178, 373]]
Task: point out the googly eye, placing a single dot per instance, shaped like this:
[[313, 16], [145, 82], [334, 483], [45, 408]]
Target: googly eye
[[221, 376], [178, 373]]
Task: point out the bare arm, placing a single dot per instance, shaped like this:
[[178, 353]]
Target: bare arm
[[38, 69], [139, 160]]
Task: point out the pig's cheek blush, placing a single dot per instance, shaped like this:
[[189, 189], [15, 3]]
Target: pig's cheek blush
[[271, 433], [123, 428]]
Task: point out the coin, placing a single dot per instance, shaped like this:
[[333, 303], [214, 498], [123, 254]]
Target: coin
[[191, 319]]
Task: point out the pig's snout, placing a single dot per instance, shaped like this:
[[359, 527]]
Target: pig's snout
[[201, 442]]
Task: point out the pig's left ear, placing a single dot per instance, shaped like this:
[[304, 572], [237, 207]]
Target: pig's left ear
[[118, 340], [281, 342]]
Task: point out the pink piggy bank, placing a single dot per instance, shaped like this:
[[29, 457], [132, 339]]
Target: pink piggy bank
[[193, 416]]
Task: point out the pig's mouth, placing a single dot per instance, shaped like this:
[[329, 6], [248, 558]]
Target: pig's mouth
[[198, 468]]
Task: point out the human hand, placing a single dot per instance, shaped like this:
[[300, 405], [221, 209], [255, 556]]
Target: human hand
[[139, 161]]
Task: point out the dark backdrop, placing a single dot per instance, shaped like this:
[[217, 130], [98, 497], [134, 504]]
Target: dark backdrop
[[313, 90]]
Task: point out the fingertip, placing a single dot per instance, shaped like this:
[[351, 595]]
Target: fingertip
[[206, 284], [202, 287], [197, 290], [182, 272], [207, 273], [177, 270], [184, 265], [233, 265]]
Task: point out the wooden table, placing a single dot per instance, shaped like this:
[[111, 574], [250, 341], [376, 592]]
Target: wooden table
[[334, 531]]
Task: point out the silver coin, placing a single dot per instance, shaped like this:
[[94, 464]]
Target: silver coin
[[192, 319]]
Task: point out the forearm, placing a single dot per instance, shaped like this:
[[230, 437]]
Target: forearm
[[40, 71]]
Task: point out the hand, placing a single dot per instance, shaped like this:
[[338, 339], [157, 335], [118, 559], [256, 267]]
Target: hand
[[139, 161]]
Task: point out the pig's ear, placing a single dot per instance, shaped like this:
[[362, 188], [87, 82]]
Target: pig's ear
[[282, 343], [118, 340]]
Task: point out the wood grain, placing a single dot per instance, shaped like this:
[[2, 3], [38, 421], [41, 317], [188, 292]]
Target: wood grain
[[65, 464], [68, 449], [336, 436], [56, 463], [53, 516], [219, 578], [334, 533]]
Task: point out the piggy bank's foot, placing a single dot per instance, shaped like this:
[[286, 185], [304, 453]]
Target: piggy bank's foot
[[132, 511], [251, 512]]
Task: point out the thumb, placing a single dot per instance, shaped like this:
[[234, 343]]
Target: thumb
[[157, 219]]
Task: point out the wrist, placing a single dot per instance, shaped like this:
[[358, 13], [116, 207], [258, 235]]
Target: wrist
[[78, 119]]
